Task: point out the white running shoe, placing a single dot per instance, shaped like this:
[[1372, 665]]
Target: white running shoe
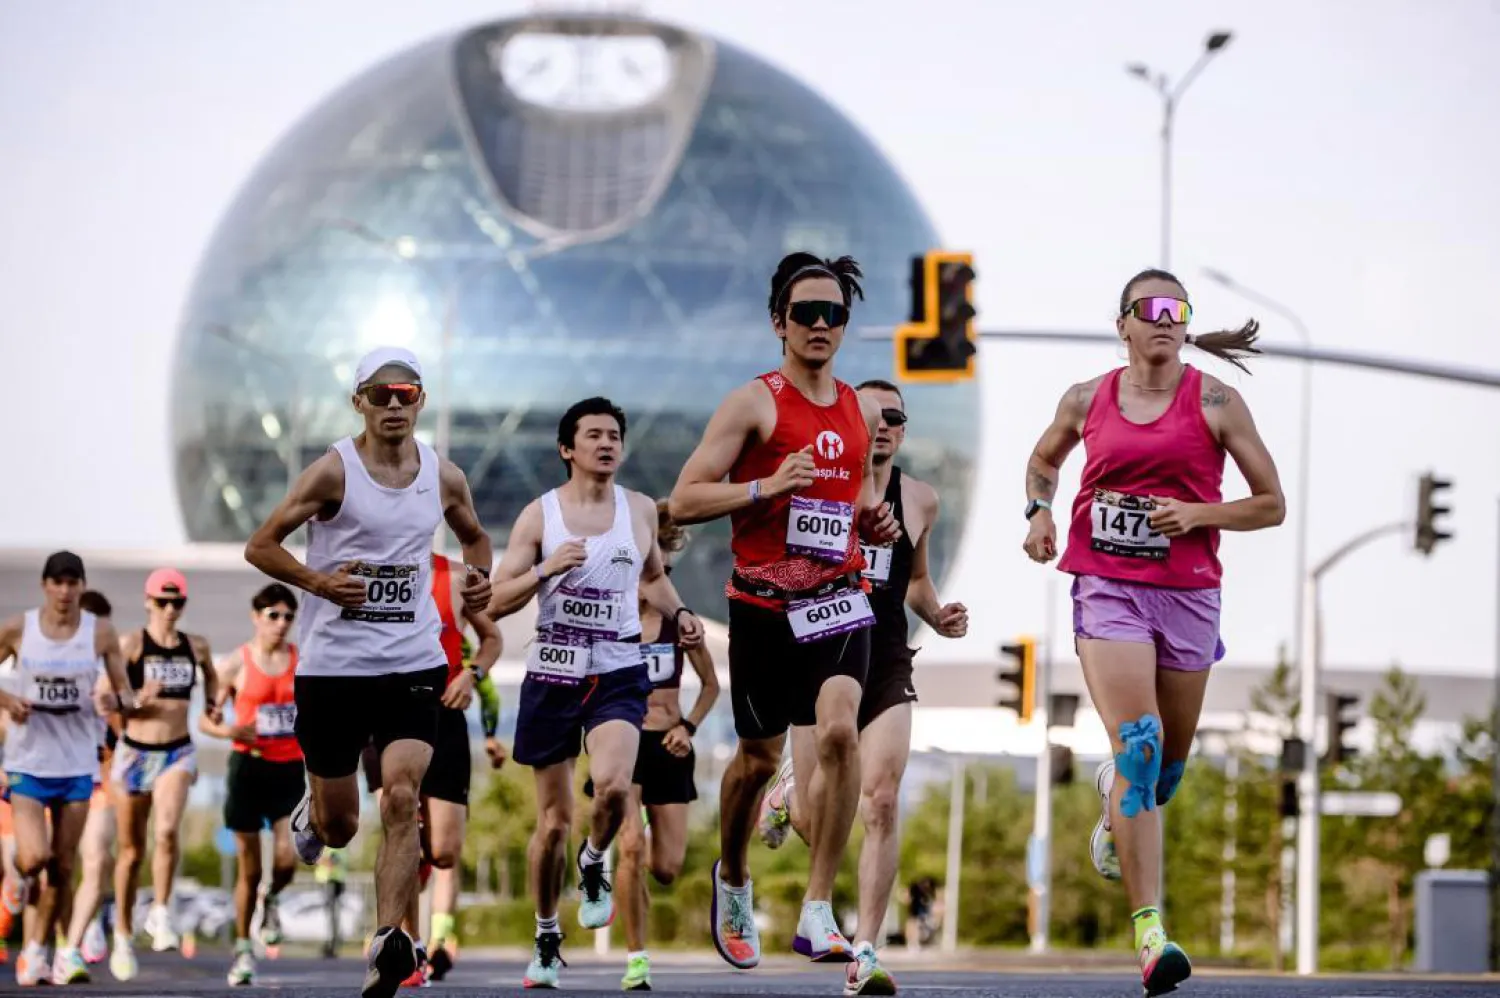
[[309, 847], [1102, 841], [776, 806]]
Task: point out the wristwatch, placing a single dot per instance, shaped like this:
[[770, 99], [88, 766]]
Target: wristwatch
[[1036, 504]]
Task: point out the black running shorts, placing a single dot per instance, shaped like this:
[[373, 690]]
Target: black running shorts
[[260, 793], [337, 716], [774, 680], [664, 778], [451, 767], [889, 683]]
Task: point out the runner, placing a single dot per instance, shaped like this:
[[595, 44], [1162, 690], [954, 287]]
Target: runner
[[96, 853], [663, 782], [587, 550], [899, 576], [52, 756], [1143, 549], [265, 778], [372, 663], [155, 763], [445, 789], [794, 445]]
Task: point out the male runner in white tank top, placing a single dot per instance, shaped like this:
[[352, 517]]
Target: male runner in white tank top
[[372, 665], [52, 751], [587, 550]]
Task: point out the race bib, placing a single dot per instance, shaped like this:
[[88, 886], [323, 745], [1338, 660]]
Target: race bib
[[276, 720], [836, 613], [661, 660], [54, 694], [558, 660], [1119, 525], [597, 612], [819, 529], [877, 563], [170, 673], [391, 593]]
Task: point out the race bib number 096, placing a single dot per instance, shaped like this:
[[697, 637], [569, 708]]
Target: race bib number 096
[[1120, 525], [276, 720], [826, 616], [54, 694], [556, 660], [819, 529], [391, 593], [877, 563]]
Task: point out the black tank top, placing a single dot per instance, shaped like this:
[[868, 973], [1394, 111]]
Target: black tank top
[[889, 570], [176, 669], [663, 657]]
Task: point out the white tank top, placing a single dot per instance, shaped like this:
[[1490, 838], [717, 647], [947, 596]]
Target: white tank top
[[389, 532], [591, 606], [61, 735]]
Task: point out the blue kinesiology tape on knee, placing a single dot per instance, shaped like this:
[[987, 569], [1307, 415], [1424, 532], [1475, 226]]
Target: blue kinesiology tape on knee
[[1140, 764], [1171, 776]]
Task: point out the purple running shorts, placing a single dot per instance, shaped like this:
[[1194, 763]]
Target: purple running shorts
[[1183, 624]]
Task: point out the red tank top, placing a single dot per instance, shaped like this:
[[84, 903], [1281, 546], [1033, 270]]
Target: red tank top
[[1175, 456], [800, 541], [452, 636], [269, 701]]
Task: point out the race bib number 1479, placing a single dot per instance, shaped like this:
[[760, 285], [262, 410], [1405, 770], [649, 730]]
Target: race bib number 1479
[[1119, 524]]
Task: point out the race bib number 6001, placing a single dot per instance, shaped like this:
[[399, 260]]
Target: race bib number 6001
[[1120, 525], [391, 593], [557, 660], [819, 528]]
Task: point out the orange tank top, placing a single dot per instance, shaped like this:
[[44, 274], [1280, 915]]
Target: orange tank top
[[269, 700], [452, 636]]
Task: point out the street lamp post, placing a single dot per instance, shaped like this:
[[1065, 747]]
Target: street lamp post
[[1170, 94]]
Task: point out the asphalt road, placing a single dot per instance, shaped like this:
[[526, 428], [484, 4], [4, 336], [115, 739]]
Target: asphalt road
[[310, 978]]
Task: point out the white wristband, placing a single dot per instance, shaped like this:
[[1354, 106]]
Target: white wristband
[[755, 490]]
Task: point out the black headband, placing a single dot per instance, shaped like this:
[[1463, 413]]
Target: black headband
[[808, 271]]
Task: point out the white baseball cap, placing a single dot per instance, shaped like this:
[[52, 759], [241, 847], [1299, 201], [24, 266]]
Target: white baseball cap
[[384, 357]]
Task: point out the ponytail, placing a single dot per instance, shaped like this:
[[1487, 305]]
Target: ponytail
[[1231, 345]]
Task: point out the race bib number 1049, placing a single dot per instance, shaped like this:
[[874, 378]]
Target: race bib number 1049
[[1119, 524]]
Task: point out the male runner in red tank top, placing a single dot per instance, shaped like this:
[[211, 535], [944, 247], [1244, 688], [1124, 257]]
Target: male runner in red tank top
[[265, 779], [1143, 549], [794, 446]]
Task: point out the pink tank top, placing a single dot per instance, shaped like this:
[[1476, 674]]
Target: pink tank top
[[1175, 456]]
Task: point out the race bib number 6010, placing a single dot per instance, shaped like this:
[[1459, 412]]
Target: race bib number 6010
[[1119, 524], [826, 616]]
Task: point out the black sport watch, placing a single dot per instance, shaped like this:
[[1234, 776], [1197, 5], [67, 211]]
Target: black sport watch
[[1036, 504]]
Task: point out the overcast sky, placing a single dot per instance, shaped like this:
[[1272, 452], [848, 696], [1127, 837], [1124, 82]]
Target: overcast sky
[[1341, 156]]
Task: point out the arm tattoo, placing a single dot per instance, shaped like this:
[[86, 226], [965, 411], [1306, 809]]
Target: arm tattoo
[[1038, 485], [1215, 397]]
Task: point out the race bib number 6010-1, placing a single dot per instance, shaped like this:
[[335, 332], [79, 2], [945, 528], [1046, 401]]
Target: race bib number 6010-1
[[1119, 524], [819, 528]]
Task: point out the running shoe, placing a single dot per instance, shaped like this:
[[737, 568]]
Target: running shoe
[[95, 944], [818, 937], [776, 807], [309, 846], [392, 960], [865, 976], [242, 971], [32, 966], [1102, 841], [597, 909], [270, 920], [637, 974], [1163, 964], [122, 959], [419, 978], [164, 938], [442, 959], [736, 936], [546, 957], [68, 967]]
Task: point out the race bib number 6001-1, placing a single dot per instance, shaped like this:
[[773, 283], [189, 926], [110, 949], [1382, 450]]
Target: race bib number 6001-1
[[819, 528], [1120, 525], [391, 593], [595, 611]]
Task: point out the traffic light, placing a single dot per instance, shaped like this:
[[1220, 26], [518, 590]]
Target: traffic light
[[1429, 532], [1018, 678], [1339, 725], [1061, 760], [937, 345]]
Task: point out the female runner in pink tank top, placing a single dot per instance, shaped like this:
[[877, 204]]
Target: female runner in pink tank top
[[1142, 546]]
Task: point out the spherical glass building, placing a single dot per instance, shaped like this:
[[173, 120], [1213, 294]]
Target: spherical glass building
[[544, 209]]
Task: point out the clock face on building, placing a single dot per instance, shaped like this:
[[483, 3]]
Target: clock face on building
[[584, 72]]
